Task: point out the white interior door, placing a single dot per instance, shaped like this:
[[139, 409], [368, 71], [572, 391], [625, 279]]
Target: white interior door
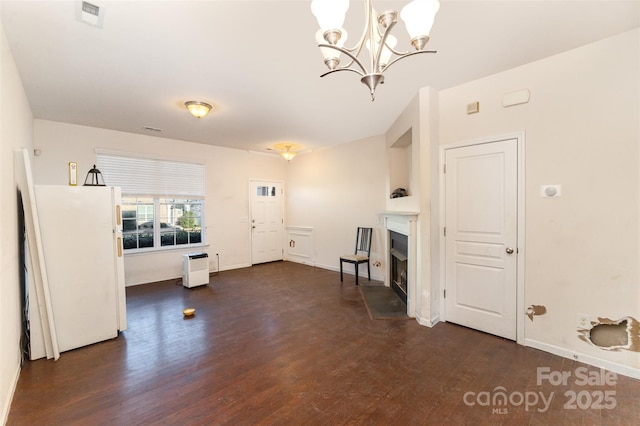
[[266, 221], [481, 183]]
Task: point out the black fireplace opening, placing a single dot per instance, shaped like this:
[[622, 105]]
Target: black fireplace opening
[[399, 262]]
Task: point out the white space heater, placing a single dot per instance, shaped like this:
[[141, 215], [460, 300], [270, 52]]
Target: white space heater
[[195, 269]]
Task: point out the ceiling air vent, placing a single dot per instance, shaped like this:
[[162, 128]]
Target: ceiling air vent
[[91, 13]]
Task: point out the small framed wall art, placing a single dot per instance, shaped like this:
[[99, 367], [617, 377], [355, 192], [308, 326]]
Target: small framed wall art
[[73, 173]]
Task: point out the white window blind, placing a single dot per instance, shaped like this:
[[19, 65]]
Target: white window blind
[[152, 177]]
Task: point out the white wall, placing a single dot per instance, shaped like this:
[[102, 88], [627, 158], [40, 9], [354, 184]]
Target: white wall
[[582, 131], [335, 190], [228, 172], [15, 132], [420, 119]]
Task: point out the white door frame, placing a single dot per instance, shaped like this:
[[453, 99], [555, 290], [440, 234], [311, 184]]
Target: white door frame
[[251, 214], [520, 308]]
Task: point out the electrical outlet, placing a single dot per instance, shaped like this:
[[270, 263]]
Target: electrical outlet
[[583, 321]]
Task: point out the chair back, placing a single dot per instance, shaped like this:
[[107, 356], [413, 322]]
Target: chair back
[[363, 241]]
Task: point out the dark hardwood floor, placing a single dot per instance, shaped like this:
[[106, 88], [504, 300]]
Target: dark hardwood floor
[[287, 344]]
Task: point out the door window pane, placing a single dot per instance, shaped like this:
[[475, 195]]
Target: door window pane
[[266, 191]]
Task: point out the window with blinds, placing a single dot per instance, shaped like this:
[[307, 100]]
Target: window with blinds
[[162, 200]]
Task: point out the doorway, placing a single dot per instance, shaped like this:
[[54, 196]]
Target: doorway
[[484, 238], [266, 221]]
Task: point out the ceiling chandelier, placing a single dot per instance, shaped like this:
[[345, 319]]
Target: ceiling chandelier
[[418, 16]]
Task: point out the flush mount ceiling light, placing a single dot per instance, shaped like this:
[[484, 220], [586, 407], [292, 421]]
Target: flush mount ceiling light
[[288, 155], [418, 16], [198, 109], [285, 150]]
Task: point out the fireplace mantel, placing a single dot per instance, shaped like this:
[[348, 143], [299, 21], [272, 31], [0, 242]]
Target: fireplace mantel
[[403, 223], [399, 222]]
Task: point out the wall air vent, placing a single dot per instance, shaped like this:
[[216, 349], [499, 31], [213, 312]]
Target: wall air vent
[[152, 129], [91, 13]]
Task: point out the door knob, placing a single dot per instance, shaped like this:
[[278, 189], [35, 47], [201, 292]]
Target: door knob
[[509, 250]]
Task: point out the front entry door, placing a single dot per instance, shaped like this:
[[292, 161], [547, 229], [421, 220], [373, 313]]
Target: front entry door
[[481, 183], [266, 221]]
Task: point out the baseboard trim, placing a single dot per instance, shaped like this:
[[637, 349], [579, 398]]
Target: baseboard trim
[[427, 322], [423, 321], [6, 406], [584, 358], [301, 261], [374, 276], [179, 277], [230, 267]]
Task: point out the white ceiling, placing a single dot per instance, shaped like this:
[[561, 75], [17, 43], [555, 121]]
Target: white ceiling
[[258, 63]]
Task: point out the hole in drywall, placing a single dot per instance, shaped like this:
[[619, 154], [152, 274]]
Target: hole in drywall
[[613, 335], [607, 335], [536, 310]]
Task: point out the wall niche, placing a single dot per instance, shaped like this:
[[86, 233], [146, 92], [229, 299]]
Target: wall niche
[[400, 163]]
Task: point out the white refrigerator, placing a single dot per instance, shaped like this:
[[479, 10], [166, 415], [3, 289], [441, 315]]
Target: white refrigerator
[[81, 233]]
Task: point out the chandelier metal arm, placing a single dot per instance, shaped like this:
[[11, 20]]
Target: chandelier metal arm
[[349, 54], [375, 66], [406, 52], [357, 48], [404, 55], [342, 69], [368, 28]]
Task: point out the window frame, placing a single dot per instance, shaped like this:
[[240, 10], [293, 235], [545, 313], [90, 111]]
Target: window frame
[[159, 181], [156, 203]]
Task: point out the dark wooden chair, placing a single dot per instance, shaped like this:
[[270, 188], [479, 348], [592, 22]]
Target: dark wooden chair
[[362, 252]]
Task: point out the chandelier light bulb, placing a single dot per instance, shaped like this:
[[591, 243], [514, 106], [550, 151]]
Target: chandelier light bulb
[[385, 55], [331, 56], [330, 13], [418, 17]]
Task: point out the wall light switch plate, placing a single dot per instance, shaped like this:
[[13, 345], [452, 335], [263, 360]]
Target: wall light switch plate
[[550, 190]]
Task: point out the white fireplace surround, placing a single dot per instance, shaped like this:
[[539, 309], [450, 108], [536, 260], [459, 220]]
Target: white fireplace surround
[[403, 223]]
